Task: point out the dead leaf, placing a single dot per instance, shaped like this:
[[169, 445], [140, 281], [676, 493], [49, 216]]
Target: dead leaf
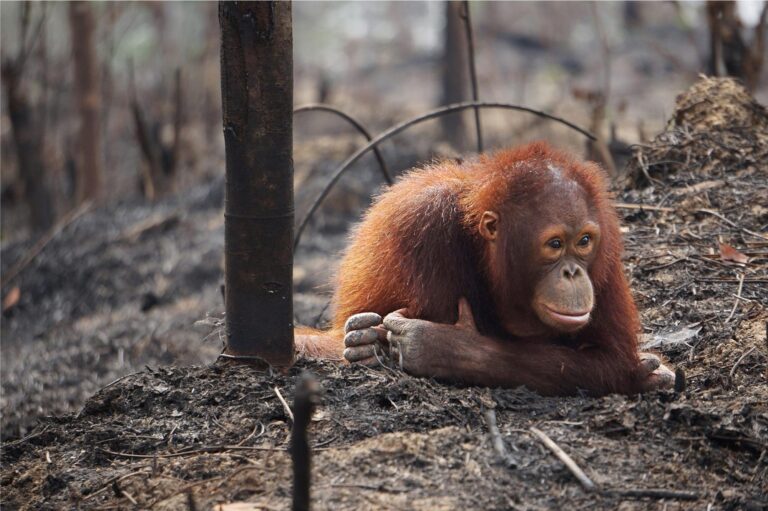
[[670, 339], [728, 253], [12, 298]]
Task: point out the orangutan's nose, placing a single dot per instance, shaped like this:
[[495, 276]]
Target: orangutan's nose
[[571, 270]]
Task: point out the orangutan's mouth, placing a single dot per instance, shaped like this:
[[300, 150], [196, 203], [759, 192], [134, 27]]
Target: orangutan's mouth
[[569, 318]]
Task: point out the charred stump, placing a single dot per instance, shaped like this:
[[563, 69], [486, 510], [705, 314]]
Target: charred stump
[[257, 100]]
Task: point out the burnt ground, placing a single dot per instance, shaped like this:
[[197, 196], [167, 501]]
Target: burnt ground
[[197, 434]]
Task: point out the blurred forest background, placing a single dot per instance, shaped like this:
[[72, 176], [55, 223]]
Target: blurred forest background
[[121, 100]]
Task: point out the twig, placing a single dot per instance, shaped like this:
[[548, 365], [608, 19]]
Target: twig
[[472, 71], [359, 127], [648, 207], [738, 295], [606, 49], [113, 480], [178, 122], [382, 363], [20, 441], [665, 265], [746, 353], [38, 247], [287, 408], [655, 493], [394, 130], [263, 429], [192, 452], [498, 442], [753, 281], [128, 496], [732, 224], [585, 481]]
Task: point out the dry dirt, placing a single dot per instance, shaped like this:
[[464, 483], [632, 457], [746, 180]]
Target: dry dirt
[[197, 436]]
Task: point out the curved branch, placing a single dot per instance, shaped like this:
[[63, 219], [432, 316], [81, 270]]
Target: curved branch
[[394, 130], [351, 120]]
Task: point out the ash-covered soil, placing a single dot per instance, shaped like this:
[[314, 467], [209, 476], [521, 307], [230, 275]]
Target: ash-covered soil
[[194, 437]]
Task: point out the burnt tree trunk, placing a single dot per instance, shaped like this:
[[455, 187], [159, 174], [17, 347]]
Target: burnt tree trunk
[[454, 74], [257, 101], [82, 29], [729, 51], [29, 144]]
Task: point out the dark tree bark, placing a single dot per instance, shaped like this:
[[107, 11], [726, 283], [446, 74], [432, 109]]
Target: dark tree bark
[[82, 29], [161, 158], [729, 52], [454, 74], [257, 100], [28, 122], [28, 142]]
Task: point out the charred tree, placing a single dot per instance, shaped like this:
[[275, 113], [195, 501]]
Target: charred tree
[[454, 74], [28, 142], [729, 51], [28, 123], [82, 29], [161, 157], [257, 101]]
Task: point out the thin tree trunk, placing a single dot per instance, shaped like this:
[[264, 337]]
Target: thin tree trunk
[[454, 74], [257, 100], [29, 145], [82, 26], [178, 120]]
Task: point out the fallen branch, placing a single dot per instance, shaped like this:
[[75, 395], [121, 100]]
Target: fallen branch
[[647, 207], [192, 452], [738, 295], [38, 247], [654, 493], [732, 224], [745, 355], [497, 441], [287, 408], [113, 480], [585, 481]]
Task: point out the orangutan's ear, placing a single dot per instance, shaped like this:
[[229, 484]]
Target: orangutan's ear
[[489, 224]]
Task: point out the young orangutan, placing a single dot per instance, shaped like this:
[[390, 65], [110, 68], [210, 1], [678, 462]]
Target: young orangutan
[[502, 271]]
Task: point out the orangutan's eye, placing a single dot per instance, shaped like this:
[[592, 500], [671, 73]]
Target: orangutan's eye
[[555, 243], [584, 241]]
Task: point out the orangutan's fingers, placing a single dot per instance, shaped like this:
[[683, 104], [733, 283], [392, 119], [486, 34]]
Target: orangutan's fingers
[[360, 337], [361, 353], [361, 321], [660, 379], [370, 362], [649, 362], [396, 322]]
